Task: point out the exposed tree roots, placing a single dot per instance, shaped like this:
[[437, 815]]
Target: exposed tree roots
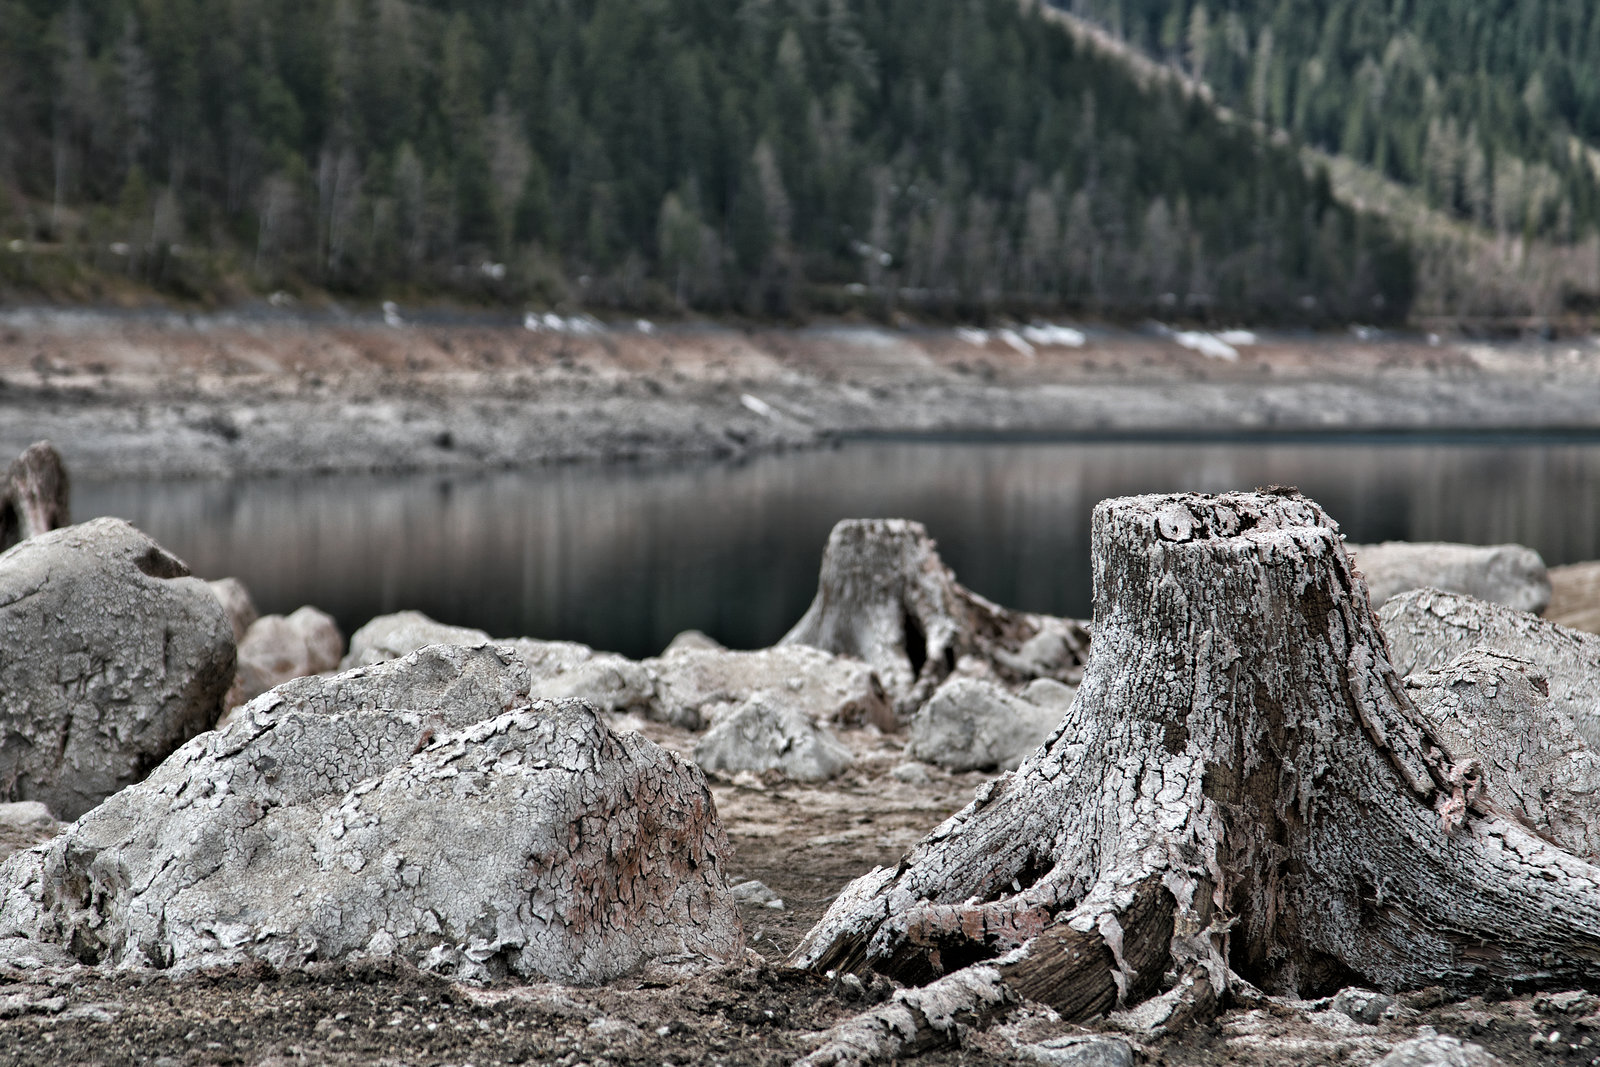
[[1242, 788]]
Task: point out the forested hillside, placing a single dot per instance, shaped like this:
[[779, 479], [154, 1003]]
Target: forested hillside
[[773, 157], [1491, 108]]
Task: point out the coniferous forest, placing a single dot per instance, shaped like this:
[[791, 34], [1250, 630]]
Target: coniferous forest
[[775, 158], [1491, 108]]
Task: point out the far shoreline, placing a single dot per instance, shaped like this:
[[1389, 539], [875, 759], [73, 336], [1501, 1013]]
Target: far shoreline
[[167, 396]]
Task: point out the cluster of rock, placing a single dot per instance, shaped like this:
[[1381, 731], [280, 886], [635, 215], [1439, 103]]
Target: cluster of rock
[[245, 787]]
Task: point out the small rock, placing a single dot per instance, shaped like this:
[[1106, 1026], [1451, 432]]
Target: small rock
[[695, 683], [610, 682], [236, 604], [970, 725], [754, 892], [692, 641], [1080, 1051], [759, 736], [910, 773], [1439, 1050], [278, 648], [25, 815], [1572, 1002], [1362, 1005], [392, 636]]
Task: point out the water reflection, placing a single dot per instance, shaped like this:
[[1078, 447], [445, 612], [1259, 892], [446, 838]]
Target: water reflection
[[623, 558]]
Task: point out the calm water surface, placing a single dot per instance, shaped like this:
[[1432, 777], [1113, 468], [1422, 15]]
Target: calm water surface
[[623, 558]]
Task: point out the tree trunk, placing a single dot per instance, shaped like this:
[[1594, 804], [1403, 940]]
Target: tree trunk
[[885, 596], [35, 497], [1241, 787]]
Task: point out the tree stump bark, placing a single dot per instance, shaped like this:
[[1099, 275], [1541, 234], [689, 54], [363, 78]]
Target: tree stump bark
[[1242, 787], [36, 496], [885, 596]]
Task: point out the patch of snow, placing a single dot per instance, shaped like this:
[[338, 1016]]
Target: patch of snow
[[1238, 338], [1206, 344], [1050, 335], [391, 314], [1014, 339], [553, 323], [759, 406], [972, 336], [645, 326]]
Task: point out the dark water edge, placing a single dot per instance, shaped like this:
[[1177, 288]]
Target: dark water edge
[[625, 557]]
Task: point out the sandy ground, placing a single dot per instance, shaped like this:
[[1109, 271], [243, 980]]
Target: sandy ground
[[804, 842], [223, 395]]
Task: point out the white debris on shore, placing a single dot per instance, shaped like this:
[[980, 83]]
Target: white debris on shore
[[550, 322]]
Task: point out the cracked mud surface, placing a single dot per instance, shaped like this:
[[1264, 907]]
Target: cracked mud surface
[[804, 842]]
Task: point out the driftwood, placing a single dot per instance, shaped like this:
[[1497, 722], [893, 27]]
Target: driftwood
[[885, 596], [1242, 789], [35, 497]]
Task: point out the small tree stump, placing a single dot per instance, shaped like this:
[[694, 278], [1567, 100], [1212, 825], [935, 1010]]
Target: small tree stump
[[35, 498], [885, 596], [1241, 787]]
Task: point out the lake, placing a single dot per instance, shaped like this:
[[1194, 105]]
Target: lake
[[623, 557]]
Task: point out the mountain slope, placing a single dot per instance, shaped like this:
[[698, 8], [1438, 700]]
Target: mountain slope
[[774, 156]]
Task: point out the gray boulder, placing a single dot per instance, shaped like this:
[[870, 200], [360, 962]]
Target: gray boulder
[[824, 687], [1362, 1005], [237, 604], [1427, 628], [356, 815], [970, 724], [761, 735], [392, 636], [1513, 575], [110, 658], [1490, 706]]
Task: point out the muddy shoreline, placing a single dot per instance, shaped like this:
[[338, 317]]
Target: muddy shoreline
[[174, 397]]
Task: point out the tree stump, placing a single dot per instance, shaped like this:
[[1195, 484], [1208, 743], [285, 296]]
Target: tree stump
[[885, 596], [1242, 787], [36, 496]]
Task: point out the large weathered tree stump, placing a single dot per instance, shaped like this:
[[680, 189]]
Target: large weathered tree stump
[[35, 497], [885, 596], [1242, 787]]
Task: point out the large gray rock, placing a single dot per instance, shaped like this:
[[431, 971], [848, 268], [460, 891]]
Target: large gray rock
[[690, 683], [1427, 628], [277, 648], [357, 815], [970, 724], [1490, 706], [392, 636], [1513, 575], [760, 736], [110, 658]]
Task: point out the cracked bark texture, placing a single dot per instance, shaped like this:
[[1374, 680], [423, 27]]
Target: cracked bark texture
[[36, 496], [110, 658], [1428, 628], [348, 816], [885, 596], [1242, 787]]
